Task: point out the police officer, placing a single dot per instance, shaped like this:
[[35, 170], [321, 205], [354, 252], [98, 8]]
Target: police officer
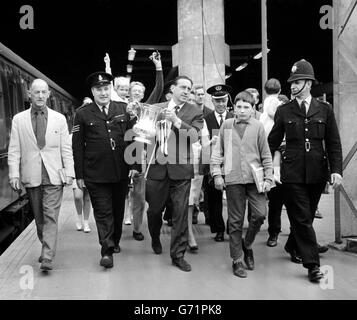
[[98, 149], [312, 144]]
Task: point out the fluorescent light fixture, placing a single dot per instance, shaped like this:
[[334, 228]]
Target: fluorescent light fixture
[[242, 66], [259, 55], [131, 54]]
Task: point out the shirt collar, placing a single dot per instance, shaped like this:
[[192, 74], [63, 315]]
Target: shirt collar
[[307, 100], [101, 107], [172, 105], [218, 115], [242, 121], [43, 109]]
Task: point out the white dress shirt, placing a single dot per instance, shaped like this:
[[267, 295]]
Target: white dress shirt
[[307, 102]]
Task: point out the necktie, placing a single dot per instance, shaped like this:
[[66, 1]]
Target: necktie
[[177, 108], [303, 106], [220, 121], [40, 129], [103, 111]]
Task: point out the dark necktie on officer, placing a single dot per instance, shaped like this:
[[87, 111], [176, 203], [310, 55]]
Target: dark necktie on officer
[[40, 129], [221, 120], [177, 108], [103, 111], [303, 106]]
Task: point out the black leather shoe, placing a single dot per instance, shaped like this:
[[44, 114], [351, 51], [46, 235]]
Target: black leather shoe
[[138, 236], [46, 265], [272, 241], [182, 264], [322, 249], [156, 246], [219, 237], [248, 257], [117, 249], [106, 261], [193, 249], [294, 256], [314, 274], [238, 270]]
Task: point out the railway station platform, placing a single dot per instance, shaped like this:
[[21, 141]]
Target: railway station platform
[[139, 274]]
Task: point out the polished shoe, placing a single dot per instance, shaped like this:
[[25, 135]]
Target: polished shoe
[[138, 236], [238, 269], [318, 214], [182, 264], [156, 246], [193, 249], [272, 241], [46, 264], [117, 249], [219, 237], [248, 257], [294, 256], [107, 261], [322, 249], [314, 274]]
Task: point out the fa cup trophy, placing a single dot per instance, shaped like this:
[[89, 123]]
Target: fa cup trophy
[[145, 127]]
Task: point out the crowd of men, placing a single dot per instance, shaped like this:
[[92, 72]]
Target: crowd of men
[[294, 144]]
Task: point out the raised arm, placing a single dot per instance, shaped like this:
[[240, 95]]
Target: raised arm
[[159, 81]]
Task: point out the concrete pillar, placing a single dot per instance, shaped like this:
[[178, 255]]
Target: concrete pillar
[[345, 101], [201, 52]]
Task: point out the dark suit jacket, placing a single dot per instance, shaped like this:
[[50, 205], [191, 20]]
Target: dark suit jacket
[[178, 165], [312, 142], [213, 129], [98, 143]]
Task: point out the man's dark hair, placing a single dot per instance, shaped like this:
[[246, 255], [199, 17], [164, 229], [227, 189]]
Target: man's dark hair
[[272, 86], [182, 77]]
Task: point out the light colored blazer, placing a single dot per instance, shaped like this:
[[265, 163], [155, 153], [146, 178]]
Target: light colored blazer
[[24, 156]]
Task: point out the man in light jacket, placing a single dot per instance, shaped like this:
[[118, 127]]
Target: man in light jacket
[[40, 157]]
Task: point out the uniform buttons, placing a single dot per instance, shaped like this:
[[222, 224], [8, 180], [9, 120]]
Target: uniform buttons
[[109, 130], [306, 139], [107, 121], [306, 129]]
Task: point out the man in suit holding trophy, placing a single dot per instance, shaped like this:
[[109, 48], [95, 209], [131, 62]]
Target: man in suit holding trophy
[[171, 173]]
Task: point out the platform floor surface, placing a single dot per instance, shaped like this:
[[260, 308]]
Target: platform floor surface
[[139, 274]]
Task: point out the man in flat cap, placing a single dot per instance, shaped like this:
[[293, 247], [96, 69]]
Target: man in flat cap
[[312, 147], [220, 97], [98, 149]]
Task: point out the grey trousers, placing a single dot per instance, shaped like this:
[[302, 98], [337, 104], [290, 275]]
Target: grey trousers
[[138, 201], [45, 202], [237, 194]]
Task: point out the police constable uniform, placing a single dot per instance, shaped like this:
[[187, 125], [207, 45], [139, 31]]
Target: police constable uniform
[[312, 144], [214, 196], [98, 149]]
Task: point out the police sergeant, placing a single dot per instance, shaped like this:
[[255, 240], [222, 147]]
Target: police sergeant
[[98, 150]]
